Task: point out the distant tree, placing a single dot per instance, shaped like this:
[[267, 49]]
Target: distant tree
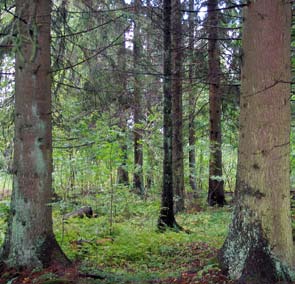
[[215, 191], [138, 181], [191, 126], [122, 172], [177, 120], [29, 240], [259, 245], [123, 177], [152, 94], [167, 218]]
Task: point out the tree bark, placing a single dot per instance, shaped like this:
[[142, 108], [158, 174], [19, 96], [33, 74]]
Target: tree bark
[[151, 93], [138, 115], [177, 144], [29, 240], [259, 246], [216, 191], [167, 218], [122, 173], [192, 102]]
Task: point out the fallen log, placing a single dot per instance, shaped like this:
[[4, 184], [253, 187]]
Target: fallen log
[[85, 211], [90, 275]]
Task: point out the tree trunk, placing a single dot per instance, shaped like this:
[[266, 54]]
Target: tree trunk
[[177, 145], [167, 218], [259, 246], [29, 240], [122, 173], [215, 191], [149, 171], [150, 94], [138, 116], [192, 102]]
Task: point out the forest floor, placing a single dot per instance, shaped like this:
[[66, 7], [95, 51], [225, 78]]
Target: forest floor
[[120, 244], [123, 245], [202, 269]]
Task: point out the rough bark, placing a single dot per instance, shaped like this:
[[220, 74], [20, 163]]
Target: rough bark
[[138, 115], [167, 218], [215, 191], [29, 240], [259, 246], [191, 123], [177, 144]]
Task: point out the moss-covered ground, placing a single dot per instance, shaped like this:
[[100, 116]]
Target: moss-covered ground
[[122, 244]]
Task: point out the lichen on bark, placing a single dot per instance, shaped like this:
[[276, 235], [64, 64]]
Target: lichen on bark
[[247, 255], [259, 246], [29, 241]]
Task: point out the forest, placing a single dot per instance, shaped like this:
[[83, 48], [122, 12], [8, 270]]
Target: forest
[[147, 141]]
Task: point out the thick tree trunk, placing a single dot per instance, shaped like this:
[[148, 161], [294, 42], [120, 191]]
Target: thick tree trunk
[[138, 115], [192, 102], [259, 246], [167, 218], [215, 191], [177, 145], [30, 241]]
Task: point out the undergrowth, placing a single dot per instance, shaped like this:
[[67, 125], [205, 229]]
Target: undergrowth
[[126, 242], [122, 242]]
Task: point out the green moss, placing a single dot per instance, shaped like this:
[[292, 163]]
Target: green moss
[[136, 250]]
